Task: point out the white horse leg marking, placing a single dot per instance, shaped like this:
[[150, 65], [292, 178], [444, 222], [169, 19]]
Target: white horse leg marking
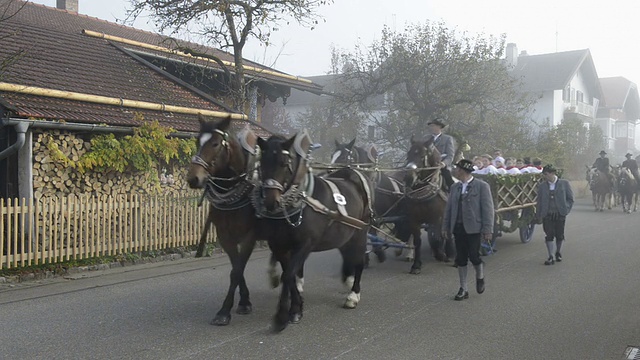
[[352, 300], [411, 253], [349, 281], [274, 277], [300, 284]]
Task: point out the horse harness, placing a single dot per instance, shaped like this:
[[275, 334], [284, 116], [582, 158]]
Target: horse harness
[[296, 197], [237, 195]]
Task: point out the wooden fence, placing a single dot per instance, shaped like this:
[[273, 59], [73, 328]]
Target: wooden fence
[[56, 229]]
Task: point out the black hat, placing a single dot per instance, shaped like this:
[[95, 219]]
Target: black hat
[[549, 169], [466, 165], [602, 152], [629, 155], [437, 121]]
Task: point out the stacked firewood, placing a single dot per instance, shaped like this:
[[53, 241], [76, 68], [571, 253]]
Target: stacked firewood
[[53, 176]]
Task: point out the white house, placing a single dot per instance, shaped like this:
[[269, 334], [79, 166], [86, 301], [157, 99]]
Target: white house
[[565, 84], [619, 115]]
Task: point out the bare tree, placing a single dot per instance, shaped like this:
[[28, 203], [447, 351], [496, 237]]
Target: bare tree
[[427, 71], [229, 24]]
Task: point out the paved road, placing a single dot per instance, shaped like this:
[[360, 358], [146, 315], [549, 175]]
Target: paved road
[[587, 307]]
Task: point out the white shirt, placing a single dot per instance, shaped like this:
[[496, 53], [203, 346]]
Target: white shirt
[[465, 184], [552, 185], [435, 137]]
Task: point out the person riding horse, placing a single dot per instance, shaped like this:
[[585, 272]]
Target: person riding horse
[[444, 144], [632, 165], [602, 165]]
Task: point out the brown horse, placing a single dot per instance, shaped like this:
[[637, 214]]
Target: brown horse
[[425, 200], [600, 188], [318, 214], [628, 190], [224, 167]]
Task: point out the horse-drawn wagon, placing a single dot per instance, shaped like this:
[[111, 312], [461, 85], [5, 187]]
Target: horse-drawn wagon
[[514, 201]]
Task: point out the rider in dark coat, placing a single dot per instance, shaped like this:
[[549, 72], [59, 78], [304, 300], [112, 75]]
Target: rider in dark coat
[[632, 165], [444, 144], [602, 164]]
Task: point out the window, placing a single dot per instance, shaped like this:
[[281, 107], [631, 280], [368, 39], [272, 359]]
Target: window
[[371, 132], [579, 96], [566, 94]]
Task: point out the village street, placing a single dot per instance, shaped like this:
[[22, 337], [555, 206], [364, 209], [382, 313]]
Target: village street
[[585, 307]]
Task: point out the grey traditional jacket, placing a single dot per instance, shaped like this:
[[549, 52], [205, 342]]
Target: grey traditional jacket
[[477, 208], [444, 144], [563, 197]]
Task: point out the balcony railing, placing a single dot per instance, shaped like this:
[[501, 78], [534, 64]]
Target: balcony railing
[[581, 108]]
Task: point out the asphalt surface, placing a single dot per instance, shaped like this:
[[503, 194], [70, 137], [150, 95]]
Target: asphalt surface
[[587, 307]]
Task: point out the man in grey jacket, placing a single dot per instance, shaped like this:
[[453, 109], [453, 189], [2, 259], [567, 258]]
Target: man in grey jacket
[[555, 200], [444, 144], [469, 217]]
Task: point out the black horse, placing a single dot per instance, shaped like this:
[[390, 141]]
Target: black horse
[[425, 200], [628, 190], [389, 190], [319, 213], [354, 155], [224, 167]]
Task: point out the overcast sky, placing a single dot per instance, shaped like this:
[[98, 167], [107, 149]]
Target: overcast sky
[[610, 30]]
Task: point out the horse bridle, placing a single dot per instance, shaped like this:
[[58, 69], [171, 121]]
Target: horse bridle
[[275, 184], [198, 160]]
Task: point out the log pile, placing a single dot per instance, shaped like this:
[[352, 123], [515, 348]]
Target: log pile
[[54, 177]]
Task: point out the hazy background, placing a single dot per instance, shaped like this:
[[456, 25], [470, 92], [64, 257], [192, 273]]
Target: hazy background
[[609, 30]]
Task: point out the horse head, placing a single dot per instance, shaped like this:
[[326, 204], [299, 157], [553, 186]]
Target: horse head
[[344, 153], [624, 177], [283, 165], [421, 155], [216, 150]]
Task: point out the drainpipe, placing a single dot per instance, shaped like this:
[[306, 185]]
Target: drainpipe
[[21, 130]]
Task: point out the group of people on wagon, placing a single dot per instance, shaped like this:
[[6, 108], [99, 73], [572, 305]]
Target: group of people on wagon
[[498, 165]]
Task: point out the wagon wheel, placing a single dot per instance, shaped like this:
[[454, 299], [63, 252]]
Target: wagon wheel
[[526, 230]]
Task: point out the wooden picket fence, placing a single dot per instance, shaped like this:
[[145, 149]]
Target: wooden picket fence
[[57, 229]]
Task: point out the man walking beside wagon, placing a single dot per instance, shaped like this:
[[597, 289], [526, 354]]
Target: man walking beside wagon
[[555, 200], [469, 217]]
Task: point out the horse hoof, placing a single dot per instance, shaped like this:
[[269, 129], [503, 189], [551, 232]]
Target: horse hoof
[[278, 324], [382, 256], [295, 318], [409, 259], [221, 320], [352, 300], [398, 252], [244, 309], [415, 271], [274, 282]]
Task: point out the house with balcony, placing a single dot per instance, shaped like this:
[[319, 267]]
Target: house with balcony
[[619, 116], [564, 84]]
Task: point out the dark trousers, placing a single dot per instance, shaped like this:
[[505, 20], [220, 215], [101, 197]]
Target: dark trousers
[[553, 227], [467, 246], [446, 176]]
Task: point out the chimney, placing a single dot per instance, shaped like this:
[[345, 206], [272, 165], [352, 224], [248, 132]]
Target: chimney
[[511, 55], [69, 5]]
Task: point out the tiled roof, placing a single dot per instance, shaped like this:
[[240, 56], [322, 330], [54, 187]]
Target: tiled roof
[[55, 54], [616, 91], [549, 71]]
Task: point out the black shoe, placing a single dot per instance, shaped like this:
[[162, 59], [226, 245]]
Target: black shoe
[[558, 257], [461, 295], [480, 286], [550, 261]]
